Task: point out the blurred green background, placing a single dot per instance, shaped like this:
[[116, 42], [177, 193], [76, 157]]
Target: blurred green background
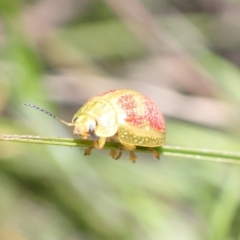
[[184, 54]]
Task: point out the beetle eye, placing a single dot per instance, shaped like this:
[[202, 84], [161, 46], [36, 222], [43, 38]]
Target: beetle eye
[[92, 127]]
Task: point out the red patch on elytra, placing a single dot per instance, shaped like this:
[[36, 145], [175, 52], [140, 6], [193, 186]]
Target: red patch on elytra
[[151, 113], [128, 104]]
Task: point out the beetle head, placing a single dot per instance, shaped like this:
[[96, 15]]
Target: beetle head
[[84, 126]]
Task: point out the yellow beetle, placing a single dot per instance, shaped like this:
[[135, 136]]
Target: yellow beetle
[[125, 115]]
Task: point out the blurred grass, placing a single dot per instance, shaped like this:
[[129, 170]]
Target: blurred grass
[[56, 193]]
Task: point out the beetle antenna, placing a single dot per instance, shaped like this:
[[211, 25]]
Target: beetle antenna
[[48, 113]]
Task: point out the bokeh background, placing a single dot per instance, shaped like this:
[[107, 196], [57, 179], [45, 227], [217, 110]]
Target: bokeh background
[[184, 54]]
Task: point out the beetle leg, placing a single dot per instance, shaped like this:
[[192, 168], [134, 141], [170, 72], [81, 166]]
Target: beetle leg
[[112, 151], [99, 144], [88, 150], [126, 147], [118, 155], [156, 154], [133, 157]]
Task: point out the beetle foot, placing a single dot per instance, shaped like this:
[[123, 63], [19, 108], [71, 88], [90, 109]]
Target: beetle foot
[[88, 150], [133, 157], [156, 154], [113, 153], [118, 155]]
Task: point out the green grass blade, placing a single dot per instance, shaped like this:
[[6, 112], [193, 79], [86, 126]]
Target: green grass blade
[[193, 153]]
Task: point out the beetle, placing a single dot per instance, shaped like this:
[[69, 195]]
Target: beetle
[[127, 116]]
